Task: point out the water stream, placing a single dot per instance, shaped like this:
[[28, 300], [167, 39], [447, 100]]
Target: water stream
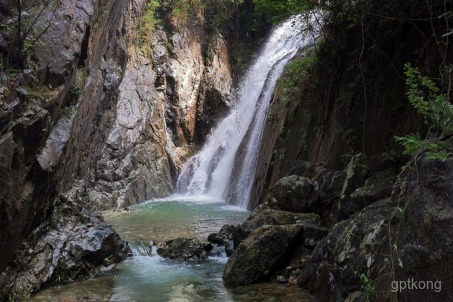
[[209, 172], [153, 278]]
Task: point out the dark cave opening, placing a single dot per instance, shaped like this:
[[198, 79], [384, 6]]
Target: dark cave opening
[[84, 49]]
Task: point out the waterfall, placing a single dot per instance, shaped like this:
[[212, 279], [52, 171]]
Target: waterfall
[[209, 171]]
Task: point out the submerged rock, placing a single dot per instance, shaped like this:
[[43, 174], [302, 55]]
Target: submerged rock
[[184, 249], [229, 237], [261, 254]]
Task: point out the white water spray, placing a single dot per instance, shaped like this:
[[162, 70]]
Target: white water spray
[[209, 171]]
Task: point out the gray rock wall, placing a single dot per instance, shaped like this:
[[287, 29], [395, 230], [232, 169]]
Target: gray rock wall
[[160, 115], [96, 116]]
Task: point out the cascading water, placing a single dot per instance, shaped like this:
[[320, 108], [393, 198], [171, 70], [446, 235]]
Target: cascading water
[[209, 171]]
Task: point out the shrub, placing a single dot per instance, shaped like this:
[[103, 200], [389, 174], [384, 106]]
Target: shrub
[[437, 111]]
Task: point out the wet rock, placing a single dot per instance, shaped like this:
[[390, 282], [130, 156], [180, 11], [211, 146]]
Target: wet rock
[[261, 254], [63, 38], [75, 243], [350, 244], [229, 237], [295, 194], [215, 96], [305, 274], [377, 187], [154, 126], [330, 181], [184, 249], [225, 235], [184, 76], [23, 93]]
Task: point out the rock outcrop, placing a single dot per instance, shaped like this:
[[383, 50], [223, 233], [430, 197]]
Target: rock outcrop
[[165, 105], [397, 240], [73, 244], [295, 194], [259, 256], [45, 116], [184, 249], [400, 235]]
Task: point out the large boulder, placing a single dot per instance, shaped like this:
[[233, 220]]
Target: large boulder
[[231, 236], [377, 187], [261, 254], [184, 249], [295, 194]]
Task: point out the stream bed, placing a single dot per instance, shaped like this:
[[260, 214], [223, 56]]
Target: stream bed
[[153, 278]]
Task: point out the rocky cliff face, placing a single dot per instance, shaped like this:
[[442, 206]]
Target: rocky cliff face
[[163, 102], [32, 106], [44, 117], [97, 116]]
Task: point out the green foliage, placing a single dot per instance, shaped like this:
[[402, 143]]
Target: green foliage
[[281, 9], [182, 9], [296, 71], [437, 111], [425, 96], [389, 155], [411, 143], [217, 11], [185, 11], [349, 18], [146, 26], [224, 11], [74, 94], [368, 287]]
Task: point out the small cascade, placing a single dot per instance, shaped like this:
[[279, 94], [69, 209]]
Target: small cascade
[[209, 171]]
